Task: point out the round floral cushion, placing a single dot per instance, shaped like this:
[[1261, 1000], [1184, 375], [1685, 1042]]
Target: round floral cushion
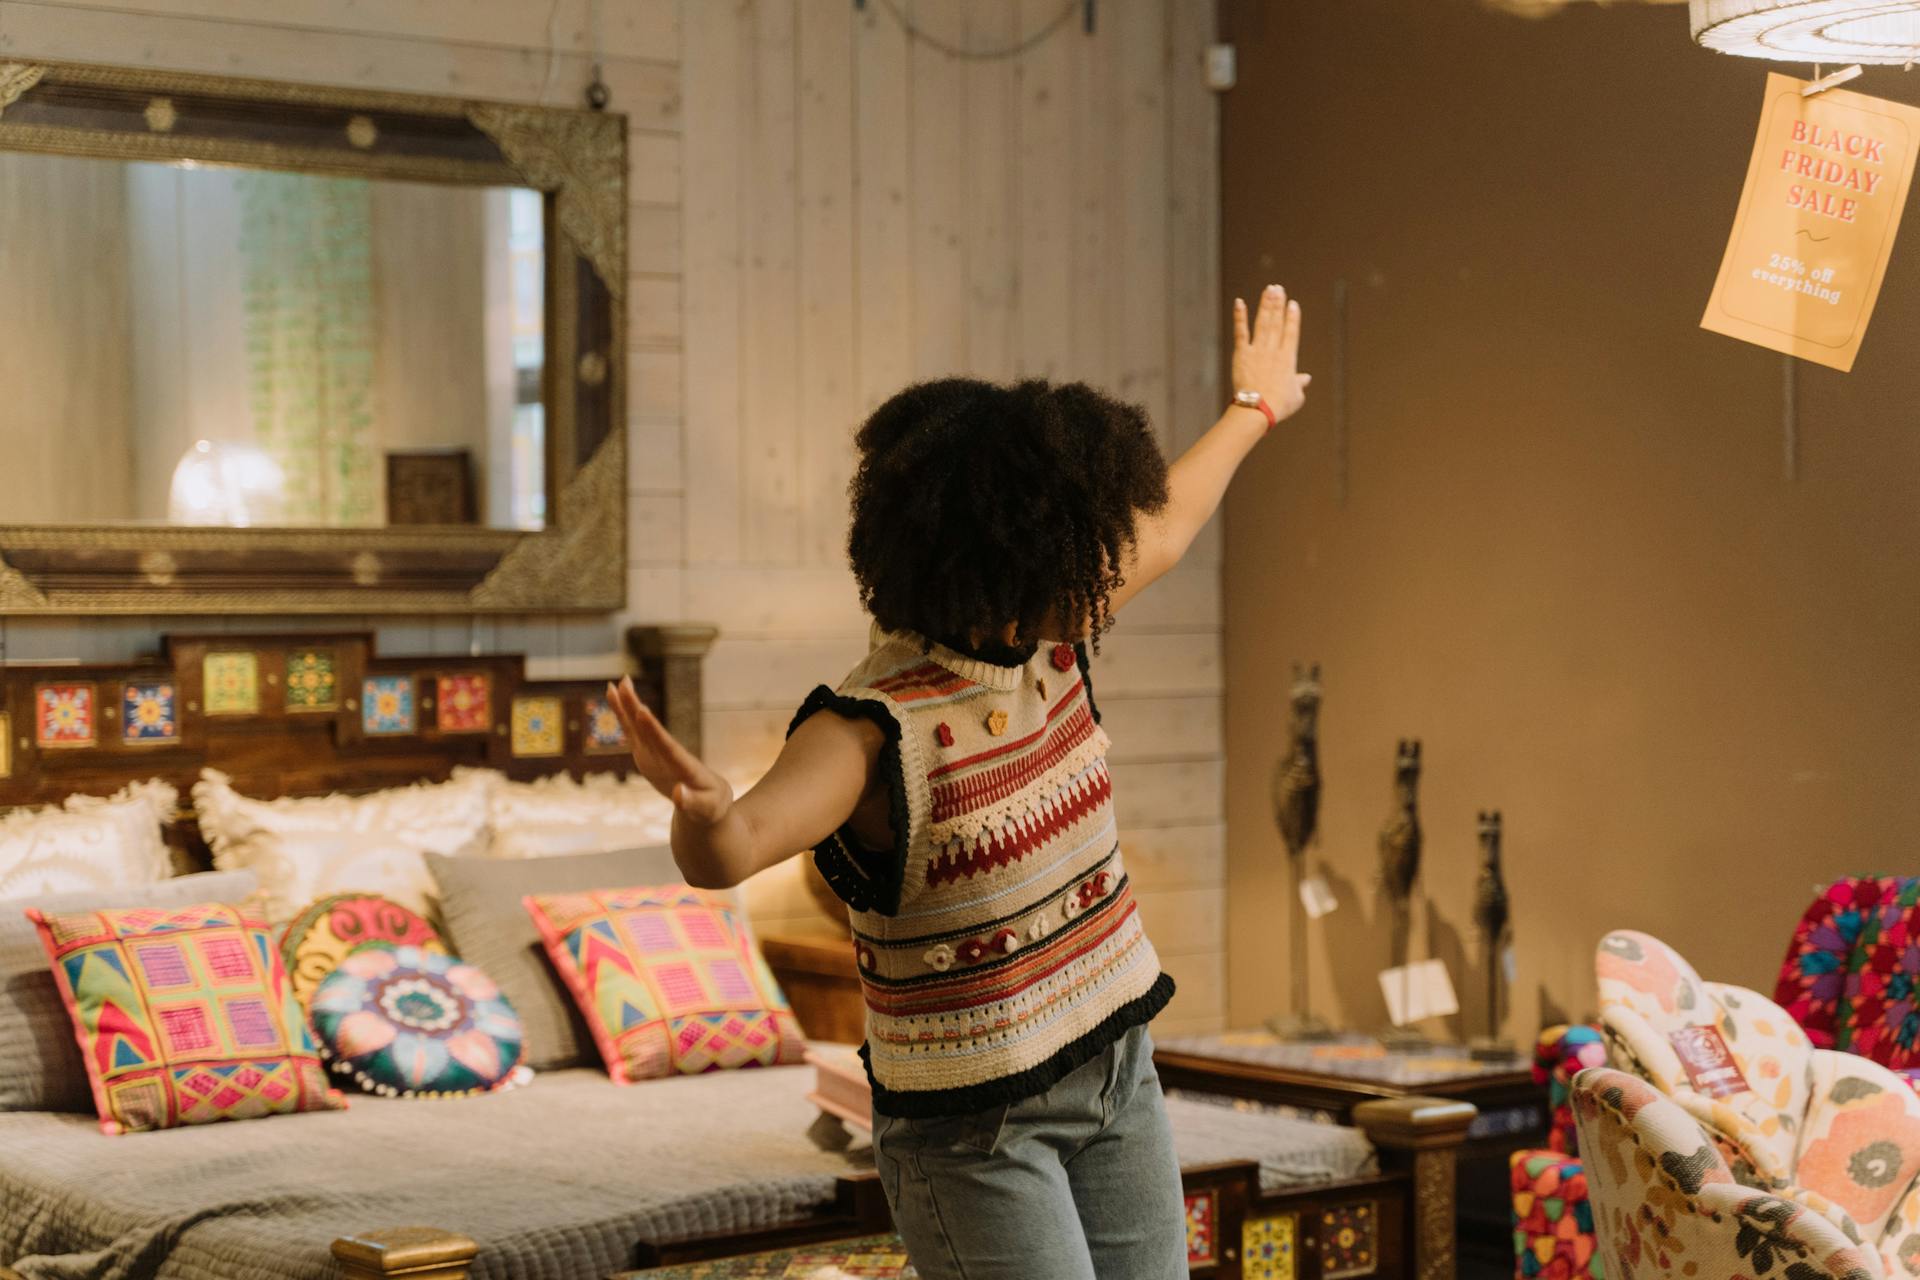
[[323, 935], [408, 1022]]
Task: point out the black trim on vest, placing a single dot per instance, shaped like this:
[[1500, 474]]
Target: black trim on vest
[[1086, 677], [932, 1104], [865, 879]]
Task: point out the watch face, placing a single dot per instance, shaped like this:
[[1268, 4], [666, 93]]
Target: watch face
[[1249, 398]]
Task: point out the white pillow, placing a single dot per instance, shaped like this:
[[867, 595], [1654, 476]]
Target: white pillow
[[87, 843], [555, 816], [303, 849]]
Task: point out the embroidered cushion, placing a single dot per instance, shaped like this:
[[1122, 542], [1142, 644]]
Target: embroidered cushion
[[667, 981], [303, 849], [40, 1064], [323, 935], [486, 925], [87, 843], [183, 1016], [1813, 978], [408, 1022]]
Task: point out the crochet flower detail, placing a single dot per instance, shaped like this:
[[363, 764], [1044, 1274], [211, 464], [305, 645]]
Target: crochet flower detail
[[1064, 657], [997, 722], [939, 957], [943, 734], [1039, 928], [974, 950], [1086, 893], [864, 954]]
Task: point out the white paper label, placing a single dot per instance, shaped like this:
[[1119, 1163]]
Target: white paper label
[[1317, 897], [1510, 966], [1419, 990]]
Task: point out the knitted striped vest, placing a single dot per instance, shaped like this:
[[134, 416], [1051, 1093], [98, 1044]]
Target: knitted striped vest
[[998, 942]]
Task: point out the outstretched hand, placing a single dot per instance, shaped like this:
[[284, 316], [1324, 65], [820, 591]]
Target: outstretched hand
[[697, 792], [1266, 352]]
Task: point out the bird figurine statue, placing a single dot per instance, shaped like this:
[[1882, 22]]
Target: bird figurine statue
[[1296, 780], [1296, 811], [1400, 842], [1400, 837], [1491, 912]]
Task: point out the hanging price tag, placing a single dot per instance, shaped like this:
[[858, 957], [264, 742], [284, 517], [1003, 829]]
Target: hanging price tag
[[1418, 990], [1317, 897], [1825, 189]]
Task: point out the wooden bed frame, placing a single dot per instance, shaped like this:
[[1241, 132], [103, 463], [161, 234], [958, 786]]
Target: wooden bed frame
[[226, 699], [251, 728], [1396, 1224]]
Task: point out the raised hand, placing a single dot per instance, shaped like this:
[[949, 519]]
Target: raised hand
[[1266, 351], [697, 792]]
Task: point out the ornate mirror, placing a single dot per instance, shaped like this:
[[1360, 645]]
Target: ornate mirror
[[279, 349]]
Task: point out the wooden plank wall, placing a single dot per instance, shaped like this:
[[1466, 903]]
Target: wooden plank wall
[[824, 209]]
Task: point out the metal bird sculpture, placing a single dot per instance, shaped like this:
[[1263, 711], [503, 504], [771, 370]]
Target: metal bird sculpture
[[1400, 837], [1491, 912], [1296, 780], [1490, 909], [1296, 811]]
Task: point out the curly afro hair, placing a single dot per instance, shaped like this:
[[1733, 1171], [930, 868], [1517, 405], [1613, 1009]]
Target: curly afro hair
[[977, 505]]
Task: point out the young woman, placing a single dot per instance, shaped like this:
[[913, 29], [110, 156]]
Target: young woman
[[955, 793]]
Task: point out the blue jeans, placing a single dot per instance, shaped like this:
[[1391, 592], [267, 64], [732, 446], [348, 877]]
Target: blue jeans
[[1078, 1183]]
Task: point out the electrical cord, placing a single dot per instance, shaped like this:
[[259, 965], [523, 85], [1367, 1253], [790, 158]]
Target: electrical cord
[[982, 55]]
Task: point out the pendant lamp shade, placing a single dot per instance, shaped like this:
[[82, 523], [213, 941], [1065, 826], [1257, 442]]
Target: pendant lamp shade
[[1843, 31]]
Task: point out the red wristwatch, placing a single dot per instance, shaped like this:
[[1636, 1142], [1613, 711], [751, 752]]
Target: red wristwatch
[[1254, 400]]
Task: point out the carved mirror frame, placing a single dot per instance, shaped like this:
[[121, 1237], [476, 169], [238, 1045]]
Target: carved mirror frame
[[578, 159]]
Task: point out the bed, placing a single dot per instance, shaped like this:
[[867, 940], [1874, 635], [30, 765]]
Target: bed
[[571, 1177], [574, 1177]]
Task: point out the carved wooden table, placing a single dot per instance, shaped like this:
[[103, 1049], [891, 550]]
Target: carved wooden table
[[1331, 1079]]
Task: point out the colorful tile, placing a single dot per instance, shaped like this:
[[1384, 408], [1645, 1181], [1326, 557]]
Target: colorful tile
[[312, 682], [64, 715], [6, 746], [1347, 1245], [1266, 1247], [387, 706], [538, 727], [465, 703], [1203, 1218], [606, 736], [149, 713], [232, 684]]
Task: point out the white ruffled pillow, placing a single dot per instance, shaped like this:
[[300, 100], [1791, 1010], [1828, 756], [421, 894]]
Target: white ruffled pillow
[[87, 843], [303, 849], [557, 816]]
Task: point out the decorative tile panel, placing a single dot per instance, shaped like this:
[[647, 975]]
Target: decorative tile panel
[[1203, 1221], [465, 703], [313, 681], [606, 736], [232, 684], [1347, 1244], [538, 726], [387, 706], [64, 715], [149, 713], [1266, 1247]]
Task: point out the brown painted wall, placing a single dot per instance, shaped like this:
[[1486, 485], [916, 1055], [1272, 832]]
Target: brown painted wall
[[1569, 560]]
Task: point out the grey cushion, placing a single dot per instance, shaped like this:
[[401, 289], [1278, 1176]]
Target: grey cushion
[[40, 1064], [487, 926]]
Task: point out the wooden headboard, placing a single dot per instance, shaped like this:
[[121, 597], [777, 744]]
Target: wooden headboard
[[303, 713]]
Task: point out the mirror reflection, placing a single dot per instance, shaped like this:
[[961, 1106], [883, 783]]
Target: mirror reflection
[[192, 345]]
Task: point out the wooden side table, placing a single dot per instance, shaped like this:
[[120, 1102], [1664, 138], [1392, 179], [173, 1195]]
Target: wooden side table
[[821, 983]]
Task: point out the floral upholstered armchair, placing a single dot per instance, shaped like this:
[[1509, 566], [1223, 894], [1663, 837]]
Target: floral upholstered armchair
[[1851, 978], [1666, 1204], [1836, 1133], [1552, 1220]]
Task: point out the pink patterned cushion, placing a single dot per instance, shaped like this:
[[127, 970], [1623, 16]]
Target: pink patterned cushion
[[183, 1015], [667, 980]]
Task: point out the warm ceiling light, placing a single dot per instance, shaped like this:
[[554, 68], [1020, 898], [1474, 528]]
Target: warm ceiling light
[[1886, 31]]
